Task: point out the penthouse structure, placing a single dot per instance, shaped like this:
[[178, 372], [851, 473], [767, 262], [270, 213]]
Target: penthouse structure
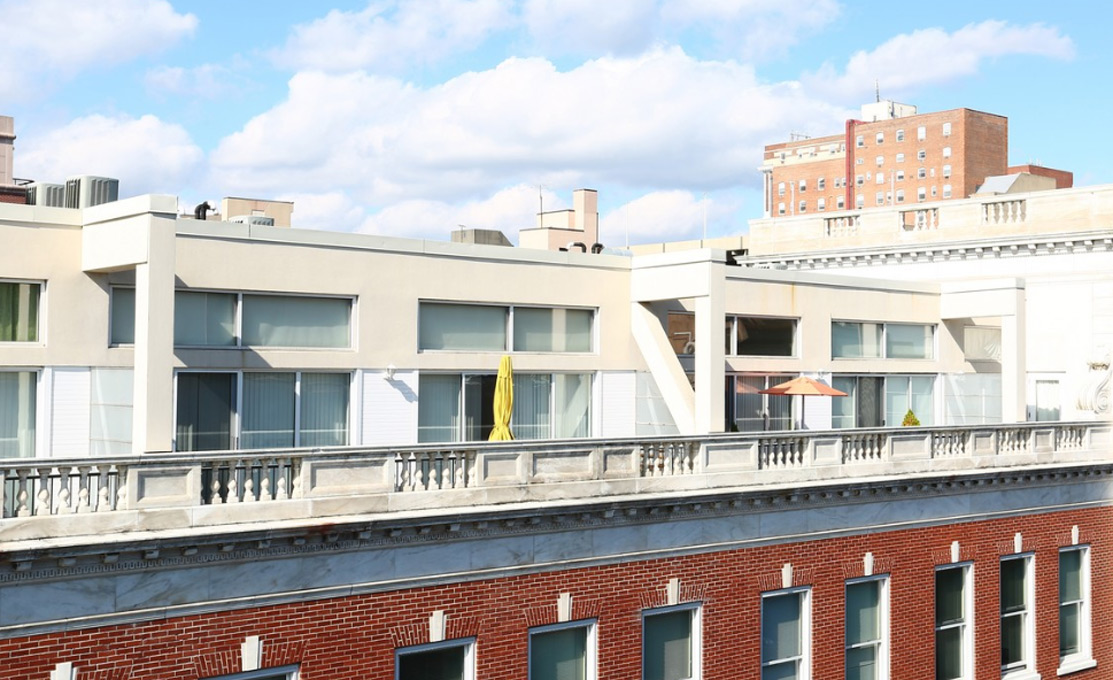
[[242, 451]]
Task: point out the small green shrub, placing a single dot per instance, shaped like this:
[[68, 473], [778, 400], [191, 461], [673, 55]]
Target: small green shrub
[[910, 420]]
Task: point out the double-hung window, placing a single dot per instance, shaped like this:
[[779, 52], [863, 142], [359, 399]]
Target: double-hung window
[[1075, 649], [565, 651], [671, 643], [953, 624], [786, 635], [867, 634], [19, 311], [281, 673], [1018, 637], [450, 660]]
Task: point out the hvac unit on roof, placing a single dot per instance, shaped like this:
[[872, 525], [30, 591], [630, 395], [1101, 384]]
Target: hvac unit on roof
[[86, 191], [44, 193], [253, 220]]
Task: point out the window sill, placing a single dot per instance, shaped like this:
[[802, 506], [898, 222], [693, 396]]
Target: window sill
[[1020, 674], [1075, 665]]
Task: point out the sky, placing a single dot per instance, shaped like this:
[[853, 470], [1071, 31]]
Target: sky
[[414, 117]]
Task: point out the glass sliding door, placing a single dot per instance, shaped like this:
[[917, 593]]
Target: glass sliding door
[[869, 401], [572, 416], [532, 406], [479, 407], [324, 409], [438, 408], [206, 402], [268, 411]]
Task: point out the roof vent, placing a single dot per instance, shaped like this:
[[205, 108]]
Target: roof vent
[[46, 194], [253, 220], [85, 191]]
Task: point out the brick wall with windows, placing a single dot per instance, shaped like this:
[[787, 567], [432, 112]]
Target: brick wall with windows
[[356, 636]]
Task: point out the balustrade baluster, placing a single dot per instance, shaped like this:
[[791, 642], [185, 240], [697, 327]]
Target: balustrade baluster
[[43, 496], [83, 489], [102, 488], [64, 507]]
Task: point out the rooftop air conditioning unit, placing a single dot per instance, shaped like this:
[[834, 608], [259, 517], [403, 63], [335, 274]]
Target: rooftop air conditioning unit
[[86, 191], [43, 193], [253, 220]]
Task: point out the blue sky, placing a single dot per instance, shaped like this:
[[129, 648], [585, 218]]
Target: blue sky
[[410, 117]]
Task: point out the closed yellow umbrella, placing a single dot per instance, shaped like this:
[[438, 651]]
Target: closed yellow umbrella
[[504, 401]]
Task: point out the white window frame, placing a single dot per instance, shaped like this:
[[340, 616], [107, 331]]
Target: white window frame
[[821, 184], [946, 152], [967, 623], [41, 404], [947, 191], [40, 319], [921, 154], [803, 185], [803, 206], [880, 137], [1084, 657], [469, 654], [860, 141], [781, 208], [900, 195], [805, 658], [900, 157], [509, 348], [882, 643], [1026, 667], [900, 135], [591, 667], [695, 639], [780, 189], [946, 129], [290, 673], [921, 133], [821, 204], [840, 203]]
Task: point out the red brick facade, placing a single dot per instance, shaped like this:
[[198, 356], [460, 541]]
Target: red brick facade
[[355, 637]]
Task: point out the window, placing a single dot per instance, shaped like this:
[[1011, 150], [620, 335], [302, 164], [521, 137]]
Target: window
[[821, 184], [562, 652], [780, 188], [1075, 652], [921, 194], [953, 632], [276, 410], [751, 411], [921, 133], [946, 191], [860, 141], [781, 208], [904, 393], [283, 673], [1048, 401], [803, 206], [853, 340], [900, 192], [17, 413], [900, 175], [209, 319], [879, 198], [921, 154], [860, 201], [452, 660], [879, 401], [946, 172], [909, 341], [880, 178], [981, 343], [19, 311], [880, 137], [880, 160], [859, 161], [456, 407], [803, 185], [122, 316], [760, 336], [858, 340], [900, 157], [785, 636], [448, 326], [821, 204], [670, 644], [867, 629], [840, 203], [934, 193], [900, 135], [859, 180], [1017, 629], [921, 173], [946, 152], [946, 129]]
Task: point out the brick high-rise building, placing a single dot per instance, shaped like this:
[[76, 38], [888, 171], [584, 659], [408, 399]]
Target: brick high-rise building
[[891, 156]]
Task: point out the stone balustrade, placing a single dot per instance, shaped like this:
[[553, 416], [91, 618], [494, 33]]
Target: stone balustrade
[[215, 488]]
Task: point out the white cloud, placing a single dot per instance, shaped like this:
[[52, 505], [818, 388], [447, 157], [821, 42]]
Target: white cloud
[[590, 26], [393, 34], [661, 120], [754, 28], [49, 41], [932, 56], [666, 216], [207, 81], [146, 154]]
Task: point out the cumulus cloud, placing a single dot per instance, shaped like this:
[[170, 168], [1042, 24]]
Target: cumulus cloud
[[49, 41], [937, 57], [589, 26], [752, 29], [668, 216], [391, 35], [148, 155], [660, 120]]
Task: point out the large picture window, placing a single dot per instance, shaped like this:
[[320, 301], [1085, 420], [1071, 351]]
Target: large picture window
[[460, 407], [882, 401], [785, 636], [760, 336], [275, 410], [865, 340], [465, 327], [17, 413], [19, 311]]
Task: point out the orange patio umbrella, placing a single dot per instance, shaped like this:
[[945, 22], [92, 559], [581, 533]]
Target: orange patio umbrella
[[805, 387]]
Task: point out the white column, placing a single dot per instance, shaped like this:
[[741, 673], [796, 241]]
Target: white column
[[1014, 368], [153, 417], [710, 354]]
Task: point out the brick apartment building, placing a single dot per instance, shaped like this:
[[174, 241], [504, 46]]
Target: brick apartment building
[[892, 156]]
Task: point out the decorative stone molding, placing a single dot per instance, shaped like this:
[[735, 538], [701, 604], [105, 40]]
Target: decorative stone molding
[[1093, 394]]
